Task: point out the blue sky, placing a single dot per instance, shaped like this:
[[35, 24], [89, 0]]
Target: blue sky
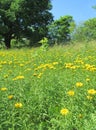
[[81, 10]]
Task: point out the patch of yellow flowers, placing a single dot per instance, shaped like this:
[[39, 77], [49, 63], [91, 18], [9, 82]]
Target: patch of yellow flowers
[[18, 105], [19, 77], [79, 84], [92, 91], [64, 111], [71, 93], [3, 89], [10, 97]]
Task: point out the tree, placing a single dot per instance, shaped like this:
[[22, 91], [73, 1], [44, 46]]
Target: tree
[[86, 31], [24, 19], [90, 26], [79, 33], [60, 30]]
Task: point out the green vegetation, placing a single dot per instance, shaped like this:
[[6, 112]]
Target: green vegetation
[[48, 90], [60, 30], [48, 87], [24, 19], [86, 31]]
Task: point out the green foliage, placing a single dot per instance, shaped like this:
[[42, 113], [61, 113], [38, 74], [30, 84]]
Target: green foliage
[[19, 43], [44, 43], [24, 19], [90, 26], [60, 30], [34, 88], [86, 31], [79, 33]]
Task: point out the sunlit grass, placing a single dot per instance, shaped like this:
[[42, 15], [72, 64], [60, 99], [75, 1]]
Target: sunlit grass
[[48, 90]]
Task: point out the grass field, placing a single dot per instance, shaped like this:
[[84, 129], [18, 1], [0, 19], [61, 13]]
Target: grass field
[[48, 90]]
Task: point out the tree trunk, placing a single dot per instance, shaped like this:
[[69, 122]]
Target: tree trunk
[[8, 42]]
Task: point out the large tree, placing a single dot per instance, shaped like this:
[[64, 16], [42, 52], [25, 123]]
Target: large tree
[[24, 18]]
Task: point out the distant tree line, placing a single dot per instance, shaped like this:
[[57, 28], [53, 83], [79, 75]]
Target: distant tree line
[[85, 31]]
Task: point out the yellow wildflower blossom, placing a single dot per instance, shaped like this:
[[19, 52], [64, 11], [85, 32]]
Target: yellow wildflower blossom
[[90, 67], [21, 65], [55, 63], [64, 111], [70, 93], [3, 89], [79, 84], [19, 77], [39, 76], [10, 96], [92, 91], [18, 105]]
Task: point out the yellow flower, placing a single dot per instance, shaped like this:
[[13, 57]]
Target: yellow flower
[[70, 93], [10, 96], [92, 91], [19, 77], [90, 67], [21, 65], [55, 63], [3, 89], [51, 67], [18, 105], [39, 76], [79, 84], [64, 111]]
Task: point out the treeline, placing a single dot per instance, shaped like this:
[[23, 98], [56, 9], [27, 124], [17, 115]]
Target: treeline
[[30, 21]]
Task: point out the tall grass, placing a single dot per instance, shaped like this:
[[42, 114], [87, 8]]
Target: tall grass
[[48, 90]]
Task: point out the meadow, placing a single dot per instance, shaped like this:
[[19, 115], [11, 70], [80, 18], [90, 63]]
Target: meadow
[[52, 89]]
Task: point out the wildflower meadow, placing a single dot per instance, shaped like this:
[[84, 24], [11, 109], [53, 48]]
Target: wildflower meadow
[[53, 89]]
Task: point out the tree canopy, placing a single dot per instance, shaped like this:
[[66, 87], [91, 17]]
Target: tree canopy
[[24, 19], [86, 31], [60, 30]]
